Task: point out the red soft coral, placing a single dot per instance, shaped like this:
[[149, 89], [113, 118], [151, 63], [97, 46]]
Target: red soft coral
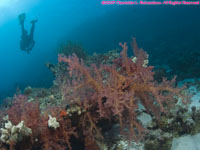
[[42, 136], [116, 90]]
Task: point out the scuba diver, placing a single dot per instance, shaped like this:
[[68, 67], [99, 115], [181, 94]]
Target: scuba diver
[[27, 42]]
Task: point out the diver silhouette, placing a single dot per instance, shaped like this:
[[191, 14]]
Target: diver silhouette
[[27, 42]]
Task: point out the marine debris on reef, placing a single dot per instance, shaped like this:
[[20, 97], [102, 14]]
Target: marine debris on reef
[[100, 103]]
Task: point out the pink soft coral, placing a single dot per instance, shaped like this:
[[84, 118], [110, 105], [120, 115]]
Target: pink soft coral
[[42, 136], [116, 90]]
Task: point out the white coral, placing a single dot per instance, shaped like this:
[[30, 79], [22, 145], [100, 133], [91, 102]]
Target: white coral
[[14, 133], [145, 63], [52, 122]]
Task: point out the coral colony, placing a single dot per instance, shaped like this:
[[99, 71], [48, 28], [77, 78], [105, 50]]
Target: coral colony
[[86, 101]]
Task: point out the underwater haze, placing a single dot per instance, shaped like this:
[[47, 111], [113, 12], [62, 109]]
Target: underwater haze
[[163, 31], [81, 75], [56, 19], [98, 28]]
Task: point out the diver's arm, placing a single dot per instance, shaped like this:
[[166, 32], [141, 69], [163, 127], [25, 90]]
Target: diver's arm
[[31, 46]]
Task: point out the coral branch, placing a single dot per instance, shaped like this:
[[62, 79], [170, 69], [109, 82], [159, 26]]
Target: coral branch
[[115, 90]]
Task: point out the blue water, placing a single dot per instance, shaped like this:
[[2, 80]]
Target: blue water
[[164, 31]]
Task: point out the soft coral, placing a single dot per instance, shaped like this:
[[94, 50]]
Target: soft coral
[[42, 136], [116, 90]]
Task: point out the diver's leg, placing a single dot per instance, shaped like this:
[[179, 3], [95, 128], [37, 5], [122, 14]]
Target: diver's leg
[[32, 31], [22, 18], [23, 29], [32, 28]]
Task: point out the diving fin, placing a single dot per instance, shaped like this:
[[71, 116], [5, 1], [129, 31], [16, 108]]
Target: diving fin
[[34, 21], [21, 18]]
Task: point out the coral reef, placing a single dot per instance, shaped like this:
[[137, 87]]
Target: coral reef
[[69, 48], [43, 136], [89, 98], [115, 90], [12, 133]]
